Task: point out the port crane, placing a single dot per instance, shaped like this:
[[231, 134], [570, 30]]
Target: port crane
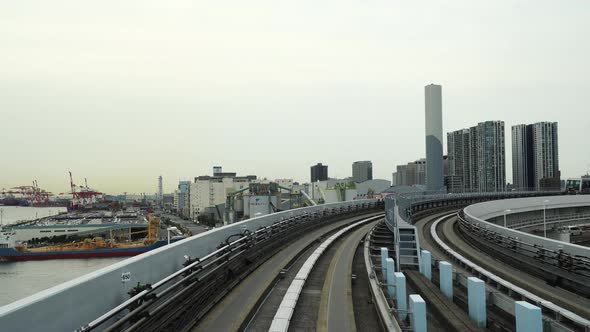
[[83, 196], [33, 195]]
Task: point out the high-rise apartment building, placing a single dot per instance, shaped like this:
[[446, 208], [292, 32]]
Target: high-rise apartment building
[[434, 139], [535, 156], [522, 166], [319, 172], [477, 159], [459, 157], [362, 171], [491, 156]]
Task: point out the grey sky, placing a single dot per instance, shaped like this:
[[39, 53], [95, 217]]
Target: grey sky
[[122, 91]]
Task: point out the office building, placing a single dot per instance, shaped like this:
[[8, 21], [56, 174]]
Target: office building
[[535, 156], [362, 171], [434, 139], [319, 172]]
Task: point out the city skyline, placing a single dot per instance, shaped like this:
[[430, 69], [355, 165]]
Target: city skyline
[[119, 101]]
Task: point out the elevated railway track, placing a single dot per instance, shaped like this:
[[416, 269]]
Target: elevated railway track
[[186, 298], [568, 310]]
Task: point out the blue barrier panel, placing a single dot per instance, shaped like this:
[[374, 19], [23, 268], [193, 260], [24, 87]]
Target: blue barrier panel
[[418, 310], [390, 278], [427, 264], [476, 291], [400, 295], [446, 279], [384, 255], [528, 317]]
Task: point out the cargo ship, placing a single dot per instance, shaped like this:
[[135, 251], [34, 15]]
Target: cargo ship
[[89, 248]]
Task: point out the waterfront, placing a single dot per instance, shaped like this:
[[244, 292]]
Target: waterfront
[[12, 214], [21, 279]]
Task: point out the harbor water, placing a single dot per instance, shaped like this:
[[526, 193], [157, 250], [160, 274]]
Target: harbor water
[[21, 279]]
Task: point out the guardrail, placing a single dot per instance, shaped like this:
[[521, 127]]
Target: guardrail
[[73, 304]]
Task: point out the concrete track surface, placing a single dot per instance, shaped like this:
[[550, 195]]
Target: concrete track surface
[[236, 310], [449, 233]]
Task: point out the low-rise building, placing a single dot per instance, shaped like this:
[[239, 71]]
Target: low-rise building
[[208, 191]]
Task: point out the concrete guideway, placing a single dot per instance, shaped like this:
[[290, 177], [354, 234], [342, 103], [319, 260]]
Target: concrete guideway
[[564, 298], [443, 315], [506, 283], [233, 312], [336, 308], [296, 301]]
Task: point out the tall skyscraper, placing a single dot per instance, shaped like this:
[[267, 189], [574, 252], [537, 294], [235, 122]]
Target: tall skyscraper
[[477, 158], [362, 171], [459, 158], [160, 189], [434, 139], [522, 166], [491, 156], [319, 172], [535, 156]]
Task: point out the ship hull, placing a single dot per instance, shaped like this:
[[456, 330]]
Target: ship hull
[[10, 254]]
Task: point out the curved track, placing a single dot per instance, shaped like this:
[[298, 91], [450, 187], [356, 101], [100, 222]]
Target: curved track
[[336, 307], [326, 300], [242, 307], [449, 232]]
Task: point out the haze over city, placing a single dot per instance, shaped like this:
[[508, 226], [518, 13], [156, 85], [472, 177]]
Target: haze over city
[[122, 92]]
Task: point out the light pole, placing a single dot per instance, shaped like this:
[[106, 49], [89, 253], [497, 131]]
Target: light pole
[[505, 211], [1, 217], [545, 217]]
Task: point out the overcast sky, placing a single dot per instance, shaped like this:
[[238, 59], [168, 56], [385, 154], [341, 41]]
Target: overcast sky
[[123, 91]]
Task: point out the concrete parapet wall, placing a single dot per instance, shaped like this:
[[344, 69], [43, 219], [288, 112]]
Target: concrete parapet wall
[[481, 212], [69, 306]]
